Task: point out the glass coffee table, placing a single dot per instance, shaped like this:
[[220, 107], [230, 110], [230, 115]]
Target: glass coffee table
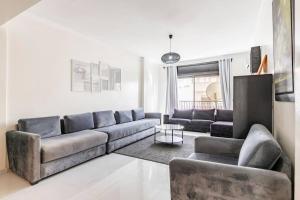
[[167, 137]]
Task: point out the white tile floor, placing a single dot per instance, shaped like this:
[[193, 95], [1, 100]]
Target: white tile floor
[[110, 177]]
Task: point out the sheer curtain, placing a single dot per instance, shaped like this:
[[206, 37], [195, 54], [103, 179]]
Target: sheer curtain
[[225, 71], [172, 93]]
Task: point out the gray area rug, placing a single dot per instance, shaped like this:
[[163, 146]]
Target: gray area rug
[[159, 152]]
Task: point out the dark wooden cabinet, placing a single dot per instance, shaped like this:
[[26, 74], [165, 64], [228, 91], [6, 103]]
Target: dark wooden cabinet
[[252, 103]]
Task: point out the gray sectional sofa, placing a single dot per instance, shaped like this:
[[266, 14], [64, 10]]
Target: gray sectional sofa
[[226, 168], [218, 122], [41, 147]]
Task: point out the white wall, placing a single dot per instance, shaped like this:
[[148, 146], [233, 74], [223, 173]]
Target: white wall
[[2, 97], [151, 86], [39, 72], [297, 105]]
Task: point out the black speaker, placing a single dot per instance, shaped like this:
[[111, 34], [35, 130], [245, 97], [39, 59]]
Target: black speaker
[[255, 59]]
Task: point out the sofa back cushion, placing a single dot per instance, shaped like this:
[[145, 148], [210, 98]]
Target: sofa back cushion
[[138, 114], [260, 149], [79, 122], [224, 115], [204, 114], [183, 114], [104, 118], [44, 126], [123, 116]]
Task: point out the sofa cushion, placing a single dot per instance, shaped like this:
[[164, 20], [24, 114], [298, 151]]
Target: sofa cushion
[[183, 114], [201, 122], [123, 116], [224, 115], [44, 126], [179, 121], [122, 130], [104, 118], [138, 114], [214, 158], [221, 129], [79, 122], [64, 145], [260, 149], [204, 114]]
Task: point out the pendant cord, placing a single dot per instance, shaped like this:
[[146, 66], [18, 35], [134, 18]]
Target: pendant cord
[[170, 45]]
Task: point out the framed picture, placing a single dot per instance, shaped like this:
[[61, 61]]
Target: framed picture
[[81, 76], [283, 36], [104, 76], [115, 79], [95, 75]]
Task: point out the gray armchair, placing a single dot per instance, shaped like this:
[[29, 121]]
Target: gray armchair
[[217, 170]]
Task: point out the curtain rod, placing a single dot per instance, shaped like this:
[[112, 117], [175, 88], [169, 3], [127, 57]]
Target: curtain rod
[[203, 63]]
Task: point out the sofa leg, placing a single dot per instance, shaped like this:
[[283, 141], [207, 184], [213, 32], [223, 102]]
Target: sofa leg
[[34, 183]]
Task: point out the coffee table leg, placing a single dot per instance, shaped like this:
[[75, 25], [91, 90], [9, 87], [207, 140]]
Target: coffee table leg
[[182, 136], [172, 135]]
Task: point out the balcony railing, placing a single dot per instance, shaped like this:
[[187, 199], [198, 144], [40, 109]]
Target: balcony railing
[[200, 105]]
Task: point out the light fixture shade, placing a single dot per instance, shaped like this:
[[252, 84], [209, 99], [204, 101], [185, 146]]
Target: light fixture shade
[[170, 58]]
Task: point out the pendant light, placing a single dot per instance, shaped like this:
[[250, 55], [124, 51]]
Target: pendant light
[[171, 57]]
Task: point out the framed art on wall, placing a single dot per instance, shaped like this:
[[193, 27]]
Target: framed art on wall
[[81, 76], [283, 40]]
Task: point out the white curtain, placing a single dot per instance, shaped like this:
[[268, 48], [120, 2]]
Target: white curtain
[[172, 93], [225, 71]]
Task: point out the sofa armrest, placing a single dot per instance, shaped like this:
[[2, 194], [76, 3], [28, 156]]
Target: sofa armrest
[[24, 150], [193, 179], [153, 116], [218, 145], [166, 119]]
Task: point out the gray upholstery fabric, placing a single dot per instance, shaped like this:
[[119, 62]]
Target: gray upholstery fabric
[[23, 151], [153, 115], [61, 146], [214, 158], [201, 122], [284, 165], [260, 149], [218, 146], [204, 114], [44, 126], [104, 118], [123, 116], [138, 114], [199, 125], [194, 179], [117, 144], [166, 119], [183, 114], [222, 129], [79, 122], [59, 165], [123, 130], [224, 115], [179, 121]]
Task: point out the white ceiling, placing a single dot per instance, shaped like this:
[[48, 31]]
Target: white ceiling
[[201, 28]]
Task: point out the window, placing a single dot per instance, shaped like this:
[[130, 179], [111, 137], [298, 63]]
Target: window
[[199, 90]]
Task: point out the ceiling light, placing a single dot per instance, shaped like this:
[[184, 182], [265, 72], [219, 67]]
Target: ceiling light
[[171, 57]]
